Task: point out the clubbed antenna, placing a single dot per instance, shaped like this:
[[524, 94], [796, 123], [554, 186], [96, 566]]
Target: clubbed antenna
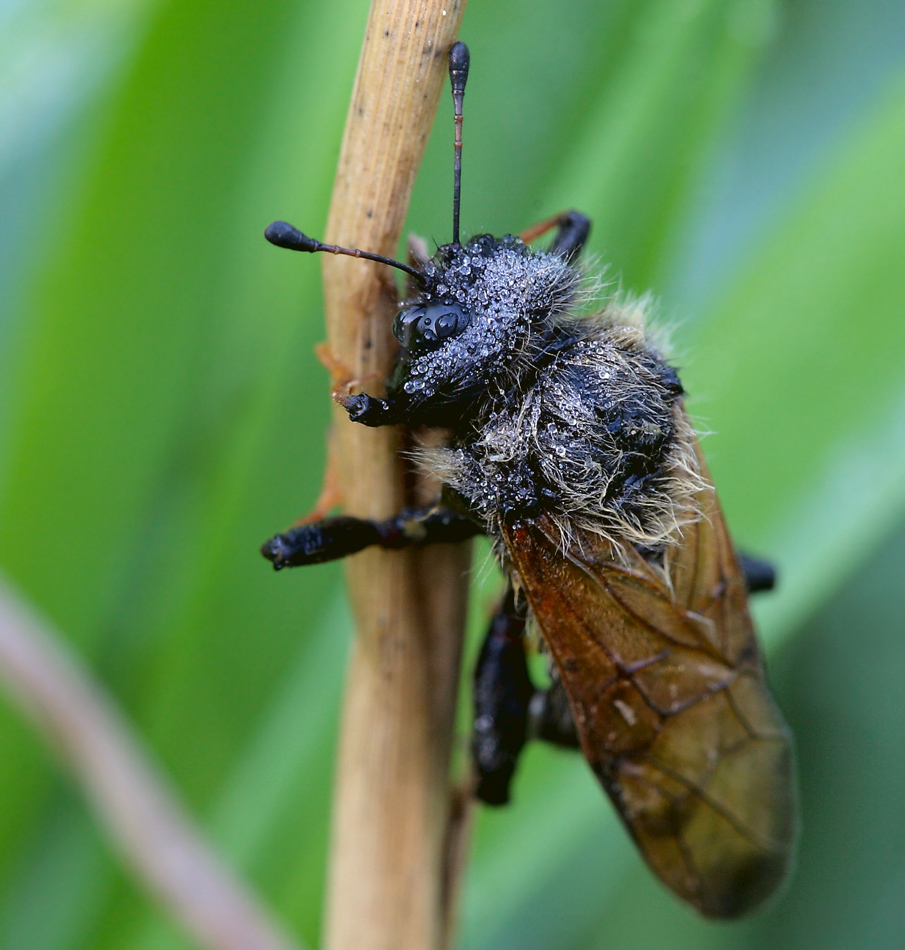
[[459, 59], [285, 235]]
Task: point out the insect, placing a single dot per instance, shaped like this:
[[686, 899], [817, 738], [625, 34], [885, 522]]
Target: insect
[[571, 448]]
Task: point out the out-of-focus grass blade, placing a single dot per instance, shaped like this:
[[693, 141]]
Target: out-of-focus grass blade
[[266, 818], [56, 60], [633, 159], [60, 889], [801, 369], [146, 447], [608, 108]]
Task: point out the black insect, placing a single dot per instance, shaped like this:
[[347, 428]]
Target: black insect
[[571, 448]]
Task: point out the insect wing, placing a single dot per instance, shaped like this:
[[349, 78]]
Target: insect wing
[[670, 702]]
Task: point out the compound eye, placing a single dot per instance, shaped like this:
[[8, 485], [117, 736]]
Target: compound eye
[[405, 326], [427, 327]]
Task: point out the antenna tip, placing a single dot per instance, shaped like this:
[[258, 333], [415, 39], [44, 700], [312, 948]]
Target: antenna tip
[[285, 235], [459, 58]]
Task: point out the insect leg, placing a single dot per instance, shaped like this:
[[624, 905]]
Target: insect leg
[[573, 232], [369, 410], [551, 717], [502, 693], [339, 537], [759, 575]]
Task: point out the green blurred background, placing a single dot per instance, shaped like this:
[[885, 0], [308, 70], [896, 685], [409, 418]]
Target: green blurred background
[[161, 413]]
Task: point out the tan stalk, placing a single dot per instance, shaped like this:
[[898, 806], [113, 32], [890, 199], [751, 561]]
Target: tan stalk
[[388, 885]]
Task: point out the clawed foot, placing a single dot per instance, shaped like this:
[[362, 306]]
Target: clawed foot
[[358, 405], [276, 551], [369, 410]]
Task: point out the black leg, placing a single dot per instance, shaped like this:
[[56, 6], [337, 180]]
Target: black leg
[[551, 717], [370, 411], [508, 710], [759, 575], [339, 537], [502, 693], [573, 232]]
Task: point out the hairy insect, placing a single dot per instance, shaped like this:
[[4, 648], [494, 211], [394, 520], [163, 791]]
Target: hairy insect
[[571, 448]]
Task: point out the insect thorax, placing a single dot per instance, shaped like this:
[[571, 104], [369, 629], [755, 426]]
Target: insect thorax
[[594, 436]]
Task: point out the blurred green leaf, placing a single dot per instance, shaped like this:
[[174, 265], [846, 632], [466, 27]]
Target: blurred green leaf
[[806, 355], [147, 394]]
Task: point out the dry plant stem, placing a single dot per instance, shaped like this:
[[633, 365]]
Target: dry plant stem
[[388, 880], [132, 802]]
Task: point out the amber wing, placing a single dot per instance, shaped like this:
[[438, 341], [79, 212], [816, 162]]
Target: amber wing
[[672, 707]]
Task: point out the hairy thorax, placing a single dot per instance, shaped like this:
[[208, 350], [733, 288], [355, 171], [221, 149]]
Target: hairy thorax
[[596, 438]]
